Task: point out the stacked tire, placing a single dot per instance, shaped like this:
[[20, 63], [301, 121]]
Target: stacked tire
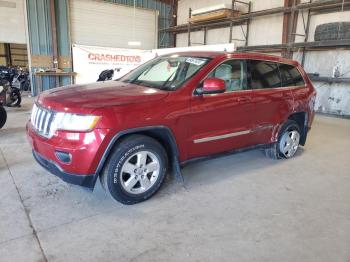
[[332, 31]]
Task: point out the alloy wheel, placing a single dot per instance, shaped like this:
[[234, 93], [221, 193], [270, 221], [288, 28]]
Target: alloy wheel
[[139, 172], [289, 143]]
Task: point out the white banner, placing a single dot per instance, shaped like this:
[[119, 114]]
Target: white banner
[[90, 61]]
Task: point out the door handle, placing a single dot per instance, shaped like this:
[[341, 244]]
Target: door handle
[[243, 99]]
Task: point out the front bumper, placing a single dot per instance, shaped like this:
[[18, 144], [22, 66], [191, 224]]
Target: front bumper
[[85, 151], [81, 180]]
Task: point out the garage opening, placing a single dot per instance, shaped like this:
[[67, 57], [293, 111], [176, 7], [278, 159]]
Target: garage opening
[[14, 66], [13, 55]]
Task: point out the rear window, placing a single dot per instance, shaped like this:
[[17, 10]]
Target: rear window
[[290, 76]]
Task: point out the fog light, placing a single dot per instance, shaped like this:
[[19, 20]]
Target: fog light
[[63, 156]]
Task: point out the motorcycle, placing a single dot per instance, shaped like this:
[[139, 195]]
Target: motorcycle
[[10, 93], [22, 77]]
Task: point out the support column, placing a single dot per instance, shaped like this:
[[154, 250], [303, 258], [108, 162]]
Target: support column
[[49, 41]]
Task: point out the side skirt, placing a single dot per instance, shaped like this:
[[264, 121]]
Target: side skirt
[[218, 155]]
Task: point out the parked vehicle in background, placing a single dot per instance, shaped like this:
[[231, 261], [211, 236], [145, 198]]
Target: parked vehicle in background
[[167, 112], [8, 78], [3, 114], [23, 79]]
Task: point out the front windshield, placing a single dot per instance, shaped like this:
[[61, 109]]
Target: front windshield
[[166, 72]]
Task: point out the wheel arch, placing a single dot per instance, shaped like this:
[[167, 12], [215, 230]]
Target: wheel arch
[[302, 119], [162, 134]]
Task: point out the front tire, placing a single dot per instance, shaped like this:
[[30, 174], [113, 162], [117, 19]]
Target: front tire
[[288, 142], [135, 170]]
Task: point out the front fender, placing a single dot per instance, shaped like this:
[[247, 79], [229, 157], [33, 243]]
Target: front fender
[[161, 133]]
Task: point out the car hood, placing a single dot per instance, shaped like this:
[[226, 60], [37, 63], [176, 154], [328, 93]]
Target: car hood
[[98, 95]]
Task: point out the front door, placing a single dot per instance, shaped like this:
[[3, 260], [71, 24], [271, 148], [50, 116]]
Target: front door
[[222, 122]]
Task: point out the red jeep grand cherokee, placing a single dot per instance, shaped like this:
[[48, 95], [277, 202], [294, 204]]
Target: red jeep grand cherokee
[[166, 112]]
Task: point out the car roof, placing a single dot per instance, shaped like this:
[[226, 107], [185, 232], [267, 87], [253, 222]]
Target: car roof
[[236, 54], [210, 54], [262, 56]]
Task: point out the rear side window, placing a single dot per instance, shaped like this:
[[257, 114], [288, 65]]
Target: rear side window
[[291, 76], [264, 74]]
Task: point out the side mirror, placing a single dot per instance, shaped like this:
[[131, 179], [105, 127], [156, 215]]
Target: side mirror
[[212, 86]]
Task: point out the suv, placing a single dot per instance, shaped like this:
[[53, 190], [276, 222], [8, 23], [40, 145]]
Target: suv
[[170, 110]]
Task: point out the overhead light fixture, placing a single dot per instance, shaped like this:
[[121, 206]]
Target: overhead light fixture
[[134, 43]]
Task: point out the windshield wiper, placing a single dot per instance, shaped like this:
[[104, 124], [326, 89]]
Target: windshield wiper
[[167, 81], [143, 83]]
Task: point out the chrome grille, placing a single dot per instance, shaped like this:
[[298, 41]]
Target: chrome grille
[[41, 119]]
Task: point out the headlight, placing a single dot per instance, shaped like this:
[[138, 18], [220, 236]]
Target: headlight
[[74, 122]]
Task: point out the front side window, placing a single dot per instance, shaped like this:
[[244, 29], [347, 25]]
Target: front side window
[[291, 76], [264, 74], [166, 72], [233, 73]]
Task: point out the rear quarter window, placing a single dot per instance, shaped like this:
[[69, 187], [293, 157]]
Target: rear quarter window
[[290, 76]]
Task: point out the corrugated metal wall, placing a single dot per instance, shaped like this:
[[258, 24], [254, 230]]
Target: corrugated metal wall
[[40, 38], [39, 27], [63, 39]]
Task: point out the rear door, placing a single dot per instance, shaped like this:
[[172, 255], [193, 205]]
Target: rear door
[[292, 78], [272, 101], [221, 122]]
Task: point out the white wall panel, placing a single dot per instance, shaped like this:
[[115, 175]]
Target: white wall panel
[[99, 23], [263, 31], [266, 30], [12, 24], [266, 4]]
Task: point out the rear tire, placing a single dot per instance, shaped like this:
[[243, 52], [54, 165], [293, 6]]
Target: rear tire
[[16, 98], [135, 170], [287, 143], [3, 116]]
